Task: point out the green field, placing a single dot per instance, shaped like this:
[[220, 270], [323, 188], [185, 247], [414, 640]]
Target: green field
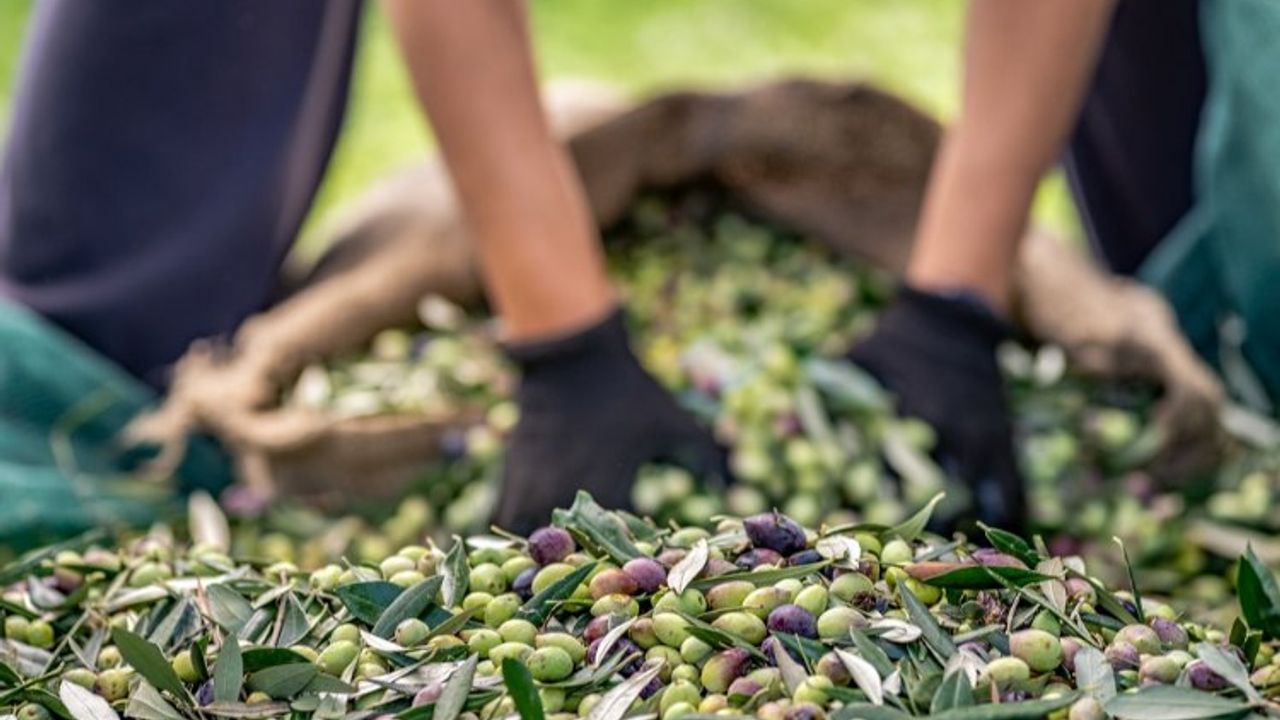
[[909, 46]]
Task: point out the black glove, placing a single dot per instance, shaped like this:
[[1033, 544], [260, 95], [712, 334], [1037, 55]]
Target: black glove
[[590, 416], [936, 354]]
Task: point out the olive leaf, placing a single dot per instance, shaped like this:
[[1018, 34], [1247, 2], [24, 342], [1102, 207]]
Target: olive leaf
[[244, 710], [871, 652], [841, 550], [850, 387], [1229, 667], [1027, 710], [911, 528], [1094, 675], [456, 574], [1259, 595], [793, 673], [148, 661], [326, 683], [228, 608], [454, 695], [864, 675], [956, 691], [1166, 702], [935, 637], [260, 658], [1138, 611], [982, 577], [867, 711], [228, 672], [809, 650], [539, 607], [294, 625], [283, 681], [146, 703], [684, 572], [615, 703], [610, 639], [366, 601], [8, 676], [84, 705], [1010, 544], [763, 577], [600, 527], [409, 604], [24, 565], [520, 687], [453, 624]]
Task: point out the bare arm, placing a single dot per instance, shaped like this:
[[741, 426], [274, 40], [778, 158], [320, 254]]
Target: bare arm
[[1027, 65], [472, 68]]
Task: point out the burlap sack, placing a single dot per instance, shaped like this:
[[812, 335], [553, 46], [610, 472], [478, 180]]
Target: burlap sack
[[844, 163]]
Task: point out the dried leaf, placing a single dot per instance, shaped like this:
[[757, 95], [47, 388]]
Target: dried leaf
[[208, 525], [84, 705], [689, 566], [864, 676]]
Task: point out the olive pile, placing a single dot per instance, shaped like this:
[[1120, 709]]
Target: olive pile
[[605, 616], [746, 324]]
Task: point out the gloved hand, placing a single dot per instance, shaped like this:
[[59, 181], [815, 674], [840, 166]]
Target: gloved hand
[[936, 354], [590, 417]]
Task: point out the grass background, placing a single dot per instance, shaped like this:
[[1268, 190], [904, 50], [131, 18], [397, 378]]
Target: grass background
[[909, 46]]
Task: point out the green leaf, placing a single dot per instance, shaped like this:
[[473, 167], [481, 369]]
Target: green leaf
[[228, 608], [1094, 675], [457, 576], [261, 658], [1167, 702], [934, 636], [762, 578], [715, 637], [1259, 595], [979, 577], [198, 658], [1106, 600], [911, 528], [811, 651], [1133, 582], [867, 711], [793, 673], [228, 671], [146, 703], [295, 624], [283, 681], [601, 527], [1229, 667], [83, 704], [539, 607], [871, 652], [954, 692], [615, 703], [1010, 544], [520, 686], [366, 601], [847, 385], [1029, 710], [8, 676], [148, 661], [325, 683], [454, 695], [409, 604], [453, 624], [243, 710]]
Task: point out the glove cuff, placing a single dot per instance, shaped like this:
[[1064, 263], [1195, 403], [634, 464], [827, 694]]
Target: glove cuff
[[605, 338], [963, 313]]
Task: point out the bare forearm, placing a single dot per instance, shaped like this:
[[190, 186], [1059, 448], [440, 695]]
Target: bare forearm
[[1027, 65], [472, 68]]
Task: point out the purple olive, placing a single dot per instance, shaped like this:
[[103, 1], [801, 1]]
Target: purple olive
[[647, 573], [1204, 678], [752, 559], [804, 711], [624, 646], [523, 584], [995, 558], [744, 686], [428, 694], [723, 668], [1123, 656], [1070, 646], [612, 582], [1170, 633], [776, 532], [597, 628], [204, 695], [831, 667], [718, 566], [670, 556], [651, 688], [794, 620], [804, 557], [550, 544]]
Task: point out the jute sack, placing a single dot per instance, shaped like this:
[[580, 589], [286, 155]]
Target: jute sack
[[844, 163]]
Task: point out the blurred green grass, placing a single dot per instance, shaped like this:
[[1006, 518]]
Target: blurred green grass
[[909, 46]]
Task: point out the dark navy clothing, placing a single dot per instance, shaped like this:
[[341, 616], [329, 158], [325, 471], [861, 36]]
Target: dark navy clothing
[[160, 160], [1130, 159]]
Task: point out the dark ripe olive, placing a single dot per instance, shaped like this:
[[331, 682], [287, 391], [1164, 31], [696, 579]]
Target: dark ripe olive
[[1170, 633], [744, 686], [550, 544], [752, 559], [648, 574], [1204, 678], [794, 620], [1123, 656], [598, 628], [804, 557], [776, 532], [523, 584]]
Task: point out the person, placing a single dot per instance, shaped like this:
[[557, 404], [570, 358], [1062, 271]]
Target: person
[[1165, 113], [161, 161]]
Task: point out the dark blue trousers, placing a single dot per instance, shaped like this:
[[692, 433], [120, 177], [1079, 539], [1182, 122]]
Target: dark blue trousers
[[161, 157]]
